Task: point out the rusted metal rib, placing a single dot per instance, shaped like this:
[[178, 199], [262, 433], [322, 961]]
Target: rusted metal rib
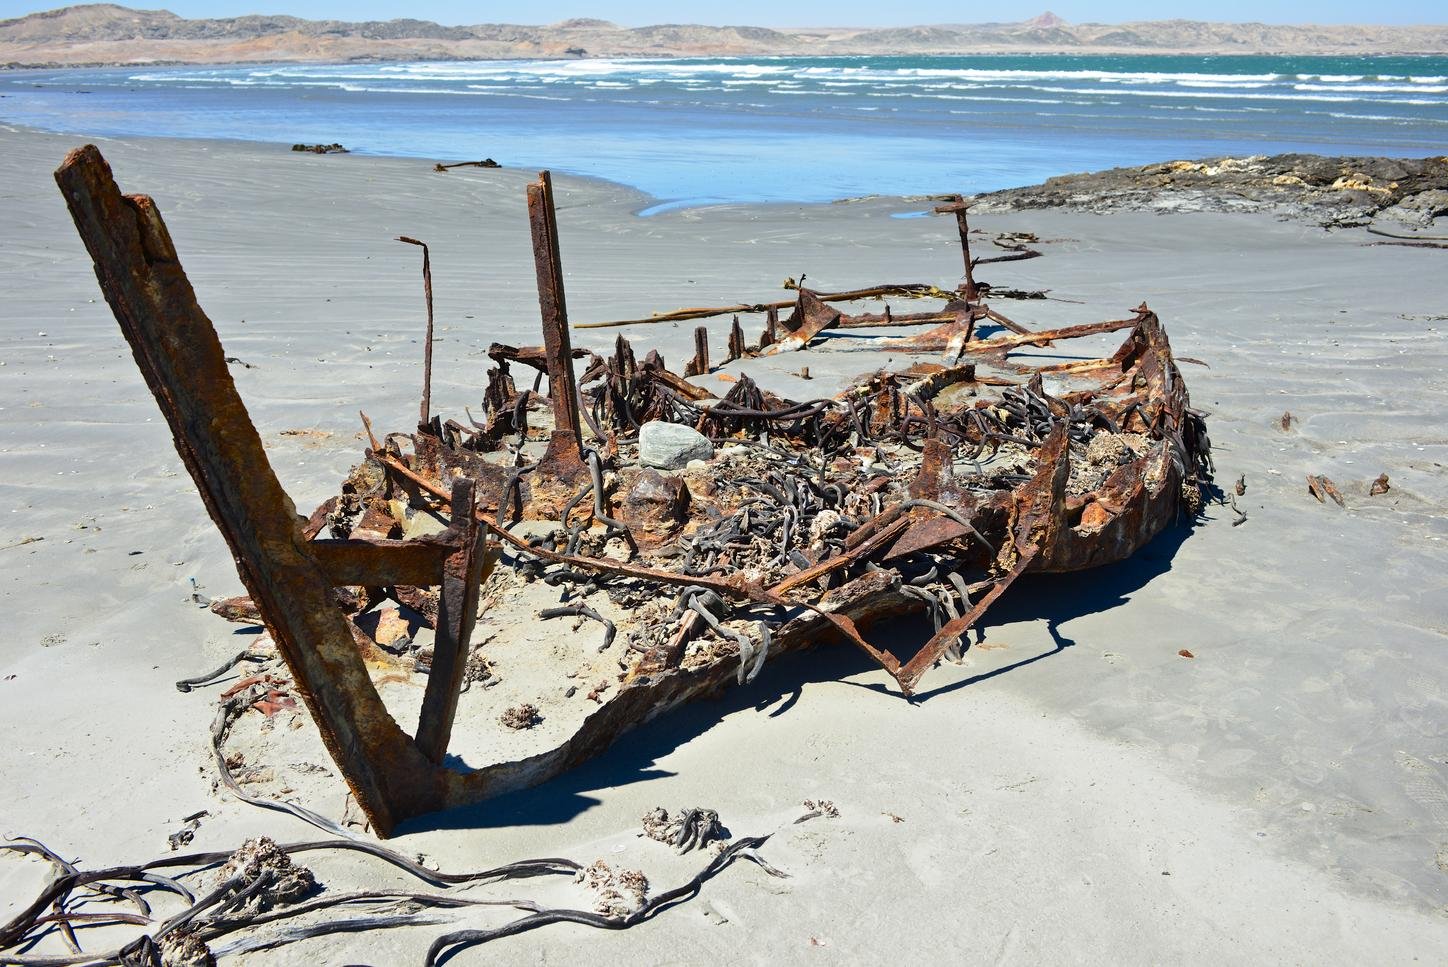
[[463, 572], [564, 459]]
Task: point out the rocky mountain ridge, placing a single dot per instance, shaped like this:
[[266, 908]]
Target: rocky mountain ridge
[[110, 34]]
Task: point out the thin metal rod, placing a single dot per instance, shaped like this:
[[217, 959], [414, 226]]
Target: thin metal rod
[[427, 343]]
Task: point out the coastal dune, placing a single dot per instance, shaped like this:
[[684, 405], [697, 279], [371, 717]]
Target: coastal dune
[[1076, 790]]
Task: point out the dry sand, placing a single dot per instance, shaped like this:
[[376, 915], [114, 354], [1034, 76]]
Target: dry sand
[[1075, 792]]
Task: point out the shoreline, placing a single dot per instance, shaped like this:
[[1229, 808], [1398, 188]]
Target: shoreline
[[1331, 190], [1283, 786]]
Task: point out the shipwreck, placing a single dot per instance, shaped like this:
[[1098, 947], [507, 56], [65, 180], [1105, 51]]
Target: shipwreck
[[760, 526]]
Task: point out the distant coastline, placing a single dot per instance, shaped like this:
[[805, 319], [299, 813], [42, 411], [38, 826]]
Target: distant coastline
[[99, 35]]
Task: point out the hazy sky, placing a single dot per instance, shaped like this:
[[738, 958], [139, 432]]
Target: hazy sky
[[795, 12]]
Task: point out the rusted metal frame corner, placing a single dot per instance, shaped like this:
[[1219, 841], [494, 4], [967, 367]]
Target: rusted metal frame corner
[[288, 579]]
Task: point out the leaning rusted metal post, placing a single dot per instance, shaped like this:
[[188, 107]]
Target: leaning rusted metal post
[[958, 206], [563, 458], [181, 358], [457, 610], [427, 344]]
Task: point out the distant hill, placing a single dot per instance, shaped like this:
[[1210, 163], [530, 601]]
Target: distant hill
[[109, 34]]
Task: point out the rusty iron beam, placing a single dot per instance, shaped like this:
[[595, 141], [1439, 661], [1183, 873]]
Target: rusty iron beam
[[771, 328], [699, 365], [179, 355], [379, 563], [677, 383], [910, 290], [953, 337], [564, 457], [181, 359], [736, 342]]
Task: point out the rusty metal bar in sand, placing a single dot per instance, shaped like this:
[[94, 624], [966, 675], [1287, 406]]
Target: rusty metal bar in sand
[[958, 207], [564, 458], [427, 343], [909, 290]]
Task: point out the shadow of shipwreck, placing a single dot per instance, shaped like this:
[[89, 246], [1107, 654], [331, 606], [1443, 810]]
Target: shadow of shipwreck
[[1056, 599]]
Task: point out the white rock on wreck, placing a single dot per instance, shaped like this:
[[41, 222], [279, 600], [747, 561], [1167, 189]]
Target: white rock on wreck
[[670, 446]]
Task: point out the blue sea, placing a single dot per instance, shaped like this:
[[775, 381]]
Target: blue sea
[[777, 129]]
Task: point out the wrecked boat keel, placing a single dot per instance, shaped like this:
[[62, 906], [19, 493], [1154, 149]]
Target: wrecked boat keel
[[924, 491]]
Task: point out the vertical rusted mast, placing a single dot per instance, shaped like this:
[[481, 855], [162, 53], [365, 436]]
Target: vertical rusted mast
[[563, 458], [958, 206]]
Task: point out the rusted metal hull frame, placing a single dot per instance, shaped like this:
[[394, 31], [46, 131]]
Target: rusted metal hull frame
[[290, 575]]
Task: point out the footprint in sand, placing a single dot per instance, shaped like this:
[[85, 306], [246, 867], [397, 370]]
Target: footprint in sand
[[1424, 787], [1425, 690]]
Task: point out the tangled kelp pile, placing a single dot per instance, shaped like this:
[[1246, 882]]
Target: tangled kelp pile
[[194, 909], [731, 529]]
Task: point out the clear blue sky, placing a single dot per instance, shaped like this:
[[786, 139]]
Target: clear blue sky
[[797, 12]]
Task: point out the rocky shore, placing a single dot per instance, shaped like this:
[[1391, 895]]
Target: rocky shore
[[1411, 193]]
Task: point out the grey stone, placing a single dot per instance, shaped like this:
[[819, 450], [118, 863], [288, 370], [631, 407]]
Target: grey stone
[[421, 524], [670, 446]]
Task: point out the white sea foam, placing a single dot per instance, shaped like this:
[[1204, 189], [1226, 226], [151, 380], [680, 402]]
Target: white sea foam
[[1374, 88], [721, 84]]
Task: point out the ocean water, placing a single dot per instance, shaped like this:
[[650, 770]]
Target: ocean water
[[773, 129]]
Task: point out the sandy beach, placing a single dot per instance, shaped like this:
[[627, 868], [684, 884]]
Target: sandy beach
[[1076, 791]]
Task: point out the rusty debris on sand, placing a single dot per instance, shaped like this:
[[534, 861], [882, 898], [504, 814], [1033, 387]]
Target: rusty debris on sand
[[929, 489]]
